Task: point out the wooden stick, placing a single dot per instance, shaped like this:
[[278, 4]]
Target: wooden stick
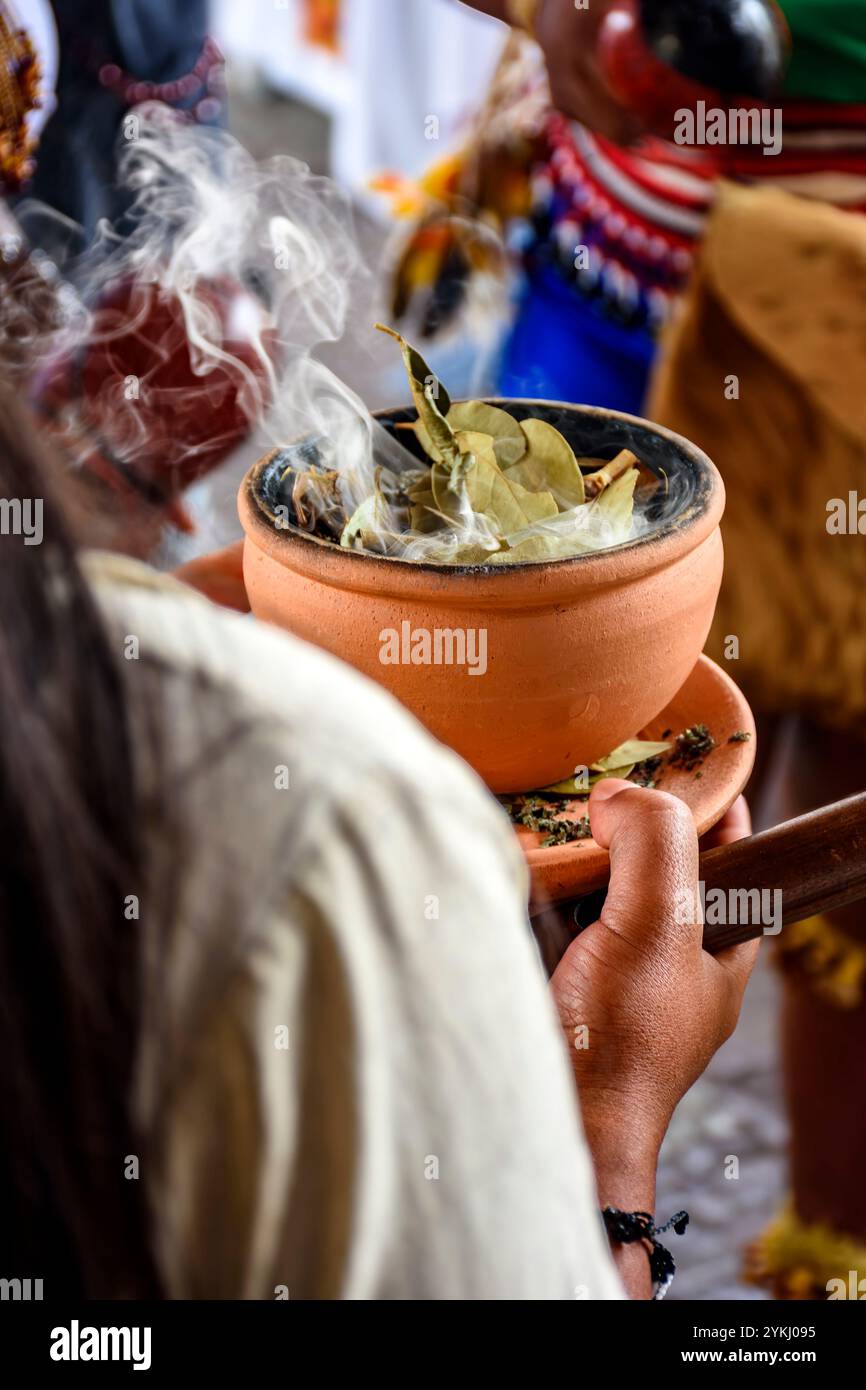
[[594, 483], [817, 862]]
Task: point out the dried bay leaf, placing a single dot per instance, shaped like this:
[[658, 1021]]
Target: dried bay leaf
[[421, 487], [613, 509], [579, 531], [621, 762], [571, 786], [634, 750], [422, 513], [419, 374], [471, 554], [509, 440], [439, 432], [536, 549], [432, 402], [422, 434], [549, 465], [367, 524], [447, 498], [506, 505]]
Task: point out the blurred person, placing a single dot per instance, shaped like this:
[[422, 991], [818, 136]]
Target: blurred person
[[114, 55], [239, 1058], [606, 216], [73, 326], [762, 367], [759, 361], [731, 310], [175, 940], [601, 214]]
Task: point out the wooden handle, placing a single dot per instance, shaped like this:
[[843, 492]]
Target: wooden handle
[[816, 862]]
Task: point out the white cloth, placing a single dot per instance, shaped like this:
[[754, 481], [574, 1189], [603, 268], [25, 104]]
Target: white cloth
[[418, 1137], [420, 70], [409, 76]]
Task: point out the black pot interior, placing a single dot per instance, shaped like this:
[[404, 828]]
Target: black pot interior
[[686, 481]]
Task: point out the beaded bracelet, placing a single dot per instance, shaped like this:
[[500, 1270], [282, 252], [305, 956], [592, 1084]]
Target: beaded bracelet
[[626, 1227], [205, 81]]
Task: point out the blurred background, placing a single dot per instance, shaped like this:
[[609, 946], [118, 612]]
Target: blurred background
[[523, 211], [349, 86]]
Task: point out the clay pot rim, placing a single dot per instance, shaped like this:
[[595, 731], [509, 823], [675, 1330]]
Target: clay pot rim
[[360, 571]]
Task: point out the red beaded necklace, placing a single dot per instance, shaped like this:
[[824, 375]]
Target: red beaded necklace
[[207, 78]]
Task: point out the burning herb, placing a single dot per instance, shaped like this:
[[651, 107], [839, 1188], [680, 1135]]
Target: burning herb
[[565, 831], [646, 772], [638, 760], [536, 813], [493, 490], [692, 746]]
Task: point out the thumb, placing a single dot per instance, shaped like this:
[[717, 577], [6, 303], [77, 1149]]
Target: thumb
[[653, 847]]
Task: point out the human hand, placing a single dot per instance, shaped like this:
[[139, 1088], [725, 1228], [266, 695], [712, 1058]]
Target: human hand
[[642, 1005], [569, 40]]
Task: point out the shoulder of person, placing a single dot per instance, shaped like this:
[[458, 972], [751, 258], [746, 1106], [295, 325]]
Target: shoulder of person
[[336, 730]]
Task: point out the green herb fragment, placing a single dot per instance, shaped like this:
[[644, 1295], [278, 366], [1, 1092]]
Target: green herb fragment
[[741, 736], [567, 831], [541, 810], [535, 813], [692, 746], [646, 773]]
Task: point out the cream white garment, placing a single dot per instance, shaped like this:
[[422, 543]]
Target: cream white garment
[[418, 1136]]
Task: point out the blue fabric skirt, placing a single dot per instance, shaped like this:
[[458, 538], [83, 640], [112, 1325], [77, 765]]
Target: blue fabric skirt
[[563, 347]]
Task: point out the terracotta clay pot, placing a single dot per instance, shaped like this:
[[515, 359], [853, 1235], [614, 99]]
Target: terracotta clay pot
[[580, 653]]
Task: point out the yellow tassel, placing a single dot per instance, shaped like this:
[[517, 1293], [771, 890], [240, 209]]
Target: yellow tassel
[[793, 1261], [522, 14], [833, 964]]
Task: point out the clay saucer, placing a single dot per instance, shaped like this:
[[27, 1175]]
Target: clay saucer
[[709, 696]]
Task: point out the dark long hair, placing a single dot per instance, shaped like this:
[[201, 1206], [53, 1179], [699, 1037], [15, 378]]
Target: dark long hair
[[70, 855]]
